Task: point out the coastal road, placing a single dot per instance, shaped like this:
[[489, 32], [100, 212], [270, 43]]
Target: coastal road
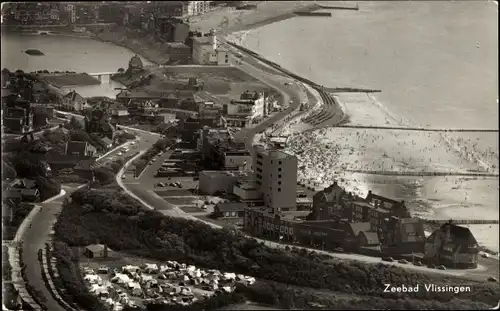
[[38, 233], [292, 95], [142, 188], [34, 239]]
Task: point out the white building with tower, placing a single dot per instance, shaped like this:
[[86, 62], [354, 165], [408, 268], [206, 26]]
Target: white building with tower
[[207, 52]]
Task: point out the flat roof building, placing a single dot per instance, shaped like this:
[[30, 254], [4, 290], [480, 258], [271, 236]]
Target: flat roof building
[[276, 177]]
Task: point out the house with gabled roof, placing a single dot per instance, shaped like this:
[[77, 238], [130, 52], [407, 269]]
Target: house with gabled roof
[[80, 148], [327, 201], [452, 246], [74, 102]]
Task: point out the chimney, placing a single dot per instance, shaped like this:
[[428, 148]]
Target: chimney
[[369, 192], [334, 183], [105, 252]]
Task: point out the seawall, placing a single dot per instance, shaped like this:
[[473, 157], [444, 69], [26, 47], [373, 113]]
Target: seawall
[[330, 101], [313, 14], [329, 7]]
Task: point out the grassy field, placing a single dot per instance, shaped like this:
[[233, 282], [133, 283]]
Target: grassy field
[[229, 74], [69, 79], [216, 80]]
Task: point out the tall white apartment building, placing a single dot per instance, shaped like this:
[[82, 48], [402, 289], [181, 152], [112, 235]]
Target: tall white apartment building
[[276, 178]]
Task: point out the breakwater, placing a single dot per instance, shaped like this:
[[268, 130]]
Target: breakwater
[[423, 174], [329, 7], [349, 90], [422, 129], [462, 221], [319, 14], [331, 114]]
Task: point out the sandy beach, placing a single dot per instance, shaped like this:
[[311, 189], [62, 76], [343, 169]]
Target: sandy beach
[[329, 154]]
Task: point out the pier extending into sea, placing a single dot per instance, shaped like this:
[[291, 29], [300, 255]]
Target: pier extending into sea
[[461, 221], [422, 129], [423, 174]]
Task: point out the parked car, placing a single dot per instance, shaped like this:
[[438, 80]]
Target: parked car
[[123, 176], [153, 159], [119, 153], [403, 261], [418, 263], [160, 184], [485, 255], [441, 267], [103, 270], [389, 259]]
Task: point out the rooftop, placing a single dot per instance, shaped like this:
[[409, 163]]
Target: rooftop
[[177, 45], [224, 173], [96, 247], [276, 154], [247, 185], [202, 40], [231, 207]]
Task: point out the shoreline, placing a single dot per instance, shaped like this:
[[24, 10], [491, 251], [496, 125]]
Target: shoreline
[[145, 51]]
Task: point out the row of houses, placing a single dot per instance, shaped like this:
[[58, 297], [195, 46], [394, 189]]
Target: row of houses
[[267, 204]]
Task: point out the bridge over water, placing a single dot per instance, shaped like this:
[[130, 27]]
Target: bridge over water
[[104, 77]]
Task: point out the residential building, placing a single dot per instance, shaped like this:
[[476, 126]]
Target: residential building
[[197, 7], [210, 110], [246, 191], [80, 148], [110, 13], [96, 251], [179, 53], [135, 64], [236, 121], [276, 176], [172, 29], [171, 8], [74, 102], [119, 112], [205, 50], [97, 121], [263, 222], [71, 9], [246, 110], [230, 210], [397, 207], [360, 211], [368, 238], [237, 159], [453, 246], [403, 235], [214, 143], [222, 56], [327, 202], [211, 182], [18, 119], [41, 114]]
